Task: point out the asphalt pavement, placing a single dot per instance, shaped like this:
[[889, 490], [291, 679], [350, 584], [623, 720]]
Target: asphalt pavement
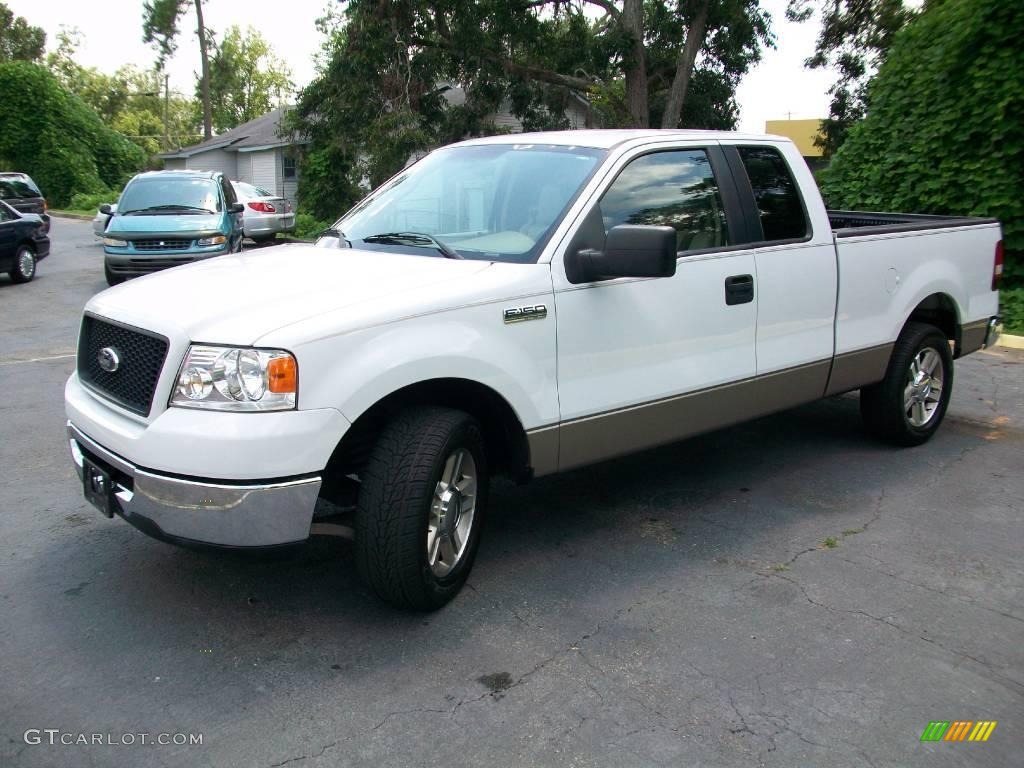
[[783, 593]]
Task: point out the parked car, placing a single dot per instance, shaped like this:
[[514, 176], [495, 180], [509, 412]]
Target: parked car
[[168, 218], [21, 193], [23, 242], [698, 279], [101, 219], [265, 214]]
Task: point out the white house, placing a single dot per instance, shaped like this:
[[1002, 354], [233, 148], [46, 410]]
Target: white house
[[253, 152]]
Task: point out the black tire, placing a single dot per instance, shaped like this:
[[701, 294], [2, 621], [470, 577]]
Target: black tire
[[262, 239], [112, 279], [882, 405], [24, 272], [392, 513]]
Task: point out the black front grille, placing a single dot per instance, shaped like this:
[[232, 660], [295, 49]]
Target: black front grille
[[158, 244], [140, 356]]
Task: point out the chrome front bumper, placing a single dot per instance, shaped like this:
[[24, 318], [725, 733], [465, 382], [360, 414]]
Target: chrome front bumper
[[187, 511]]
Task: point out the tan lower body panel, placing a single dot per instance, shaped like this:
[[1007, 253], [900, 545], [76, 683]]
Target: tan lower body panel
[[853, 370], [605, 436], [972, 337]]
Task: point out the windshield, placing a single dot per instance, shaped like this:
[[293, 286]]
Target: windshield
[[170, 194], [497, 202]]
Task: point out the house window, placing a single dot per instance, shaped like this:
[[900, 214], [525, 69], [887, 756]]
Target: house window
[[288, 167]]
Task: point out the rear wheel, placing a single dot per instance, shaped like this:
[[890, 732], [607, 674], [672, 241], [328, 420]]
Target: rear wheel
[[24, 264], [908, 405], [421, 503]]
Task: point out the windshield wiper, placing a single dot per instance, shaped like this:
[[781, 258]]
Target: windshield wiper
[[167, 208], [416, 239]]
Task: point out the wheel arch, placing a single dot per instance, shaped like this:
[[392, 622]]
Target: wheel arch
[[505, 438], [940, 310]]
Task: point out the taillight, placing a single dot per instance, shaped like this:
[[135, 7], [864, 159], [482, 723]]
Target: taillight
[[262, 207], [997, 267], [45, 207]]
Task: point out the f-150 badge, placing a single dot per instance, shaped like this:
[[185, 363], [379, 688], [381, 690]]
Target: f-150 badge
[[519, 314]]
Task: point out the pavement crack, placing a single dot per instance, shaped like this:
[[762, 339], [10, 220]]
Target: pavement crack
[[297, 758], [992, 673], [944, 592]]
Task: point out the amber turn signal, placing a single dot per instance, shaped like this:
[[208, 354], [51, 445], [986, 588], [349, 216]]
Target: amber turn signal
[[282, 375]]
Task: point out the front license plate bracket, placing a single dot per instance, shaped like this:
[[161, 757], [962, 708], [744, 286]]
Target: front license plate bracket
[[98, 488]]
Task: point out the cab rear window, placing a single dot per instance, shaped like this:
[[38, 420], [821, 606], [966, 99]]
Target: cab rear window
[[775, 193]]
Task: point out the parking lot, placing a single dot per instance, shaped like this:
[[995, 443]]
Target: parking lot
[[783, 593]]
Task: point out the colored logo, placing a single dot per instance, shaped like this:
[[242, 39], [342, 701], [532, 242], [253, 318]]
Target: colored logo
[[958, 730]]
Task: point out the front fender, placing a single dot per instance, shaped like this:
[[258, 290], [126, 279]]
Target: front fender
[[355, 370]]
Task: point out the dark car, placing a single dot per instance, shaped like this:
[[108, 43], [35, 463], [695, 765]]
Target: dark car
[[23, 242], [21, 193]]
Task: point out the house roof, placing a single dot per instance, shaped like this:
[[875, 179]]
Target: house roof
[[260, 133]]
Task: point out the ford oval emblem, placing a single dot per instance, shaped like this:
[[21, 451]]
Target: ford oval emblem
[[108, 359]]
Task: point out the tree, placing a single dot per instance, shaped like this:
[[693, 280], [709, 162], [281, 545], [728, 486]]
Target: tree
[[855, 37], [380, 91], [246, 78], [19, 40], [943, 129], [131, 100], [160, 28], [65, 146]]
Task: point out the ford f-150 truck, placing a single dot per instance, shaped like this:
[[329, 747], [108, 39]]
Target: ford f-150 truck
[[519, 304]]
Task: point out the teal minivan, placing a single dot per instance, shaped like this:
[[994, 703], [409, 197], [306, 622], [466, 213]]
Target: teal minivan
[[168, 218]]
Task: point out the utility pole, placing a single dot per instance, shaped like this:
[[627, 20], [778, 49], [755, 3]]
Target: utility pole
[[167, 103], [204, 83]]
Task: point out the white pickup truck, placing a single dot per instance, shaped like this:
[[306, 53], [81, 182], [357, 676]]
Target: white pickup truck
[[517, 304]]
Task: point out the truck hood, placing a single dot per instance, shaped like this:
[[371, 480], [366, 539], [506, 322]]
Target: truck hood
[[172, 225], [239, 298]]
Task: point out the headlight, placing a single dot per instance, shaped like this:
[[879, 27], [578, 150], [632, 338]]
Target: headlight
[[212, 240], [115, 242], [237, 379]]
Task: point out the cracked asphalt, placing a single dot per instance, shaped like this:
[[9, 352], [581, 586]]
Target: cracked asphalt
[[675, 608]]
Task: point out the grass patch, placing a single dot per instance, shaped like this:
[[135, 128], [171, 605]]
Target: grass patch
[[830, 543], [779, 567], [72, 212], [854, 531]]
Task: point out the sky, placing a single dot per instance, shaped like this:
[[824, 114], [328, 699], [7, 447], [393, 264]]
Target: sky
[[779, 87]]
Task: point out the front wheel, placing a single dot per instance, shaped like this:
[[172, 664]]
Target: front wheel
[[24, 264], [907, 406], [112, 279], [421, 504]]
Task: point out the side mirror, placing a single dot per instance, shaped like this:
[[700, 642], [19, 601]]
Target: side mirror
[[236, 208], [106, 209], [630, 250]]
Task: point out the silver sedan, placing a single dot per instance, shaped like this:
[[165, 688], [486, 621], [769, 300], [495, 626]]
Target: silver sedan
[[265, 214], [100, 221]]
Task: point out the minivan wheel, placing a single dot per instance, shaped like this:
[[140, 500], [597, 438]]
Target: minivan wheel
[[112, 279], [908, 405], [24, 264], [420, 508]]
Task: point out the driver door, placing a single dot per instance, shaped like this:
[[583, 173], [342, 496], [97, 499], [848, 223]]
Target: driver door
[[645, 361]]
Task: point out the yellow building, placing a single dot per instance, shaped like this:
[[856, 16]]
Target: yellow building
[[802, 132]]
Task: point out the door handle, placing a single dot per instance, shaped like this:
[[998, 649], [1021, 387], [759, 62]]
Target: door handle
[[739, 289]]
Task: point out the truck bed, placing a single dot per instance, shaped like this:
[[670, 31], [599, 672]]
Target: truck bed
[[856, 223]]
